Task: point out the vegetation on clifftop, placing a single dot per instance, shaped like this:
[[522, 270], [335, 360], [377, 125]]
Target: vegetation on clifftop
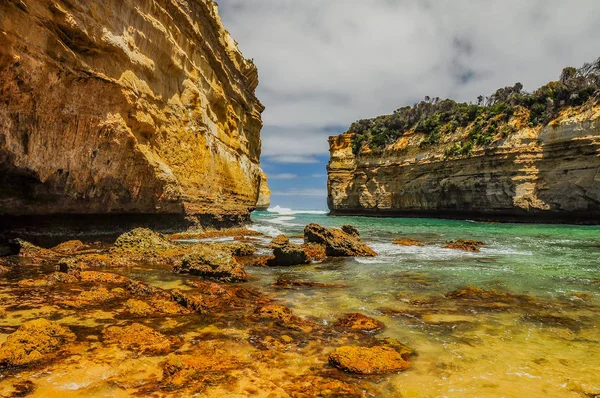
[[483, 121]]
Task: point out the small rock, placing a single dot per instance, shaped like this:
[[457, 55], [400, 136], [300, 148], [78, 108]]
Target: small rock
[[70, 247], [360, 322], [407, 242], [210, 262], [286, 253], [137, 337], [277, 313], [337, 243], [143, 241], [33, 341], [465, 245], [367, 360], [351, 230]]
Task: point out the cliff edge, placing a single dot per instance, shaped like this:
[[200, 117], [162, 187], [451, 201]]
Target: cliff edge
[[503, 159], [127, 108]]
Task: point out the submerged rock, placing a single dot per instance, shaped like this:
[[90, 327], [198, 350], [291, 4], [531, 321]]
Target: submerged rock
[[360, 322], [285, 282], [368, 360], [70, 247], [33, 341], [277, 313], [137, 337], [407, 242], [287, 253], [180, 370], [211, 262], [465, 245], [315, 251], [337, 243]]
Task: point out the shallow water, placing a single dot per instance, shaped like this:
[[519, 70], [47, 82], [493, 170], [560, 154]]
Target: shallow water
[[537, 335], [548, 346]]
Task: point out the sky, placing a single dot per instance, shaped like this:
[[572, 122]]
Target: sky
[[325, 63]]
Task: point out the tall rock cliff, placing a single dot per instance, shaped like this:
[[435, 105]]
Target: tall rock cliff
[[264, 195], [521, 171], [125, 107]]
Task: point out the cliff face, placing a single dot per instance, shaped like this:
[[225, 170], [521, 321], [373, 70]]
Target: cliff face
[[264, 194], [548, 173], [125, 107]]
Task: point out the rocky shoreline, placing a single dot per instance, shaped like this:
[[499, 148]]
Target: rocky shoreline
[[73, 305]]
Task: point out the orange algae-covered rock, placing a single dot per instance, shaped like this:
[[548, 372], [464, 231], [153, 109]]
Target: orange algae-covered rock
[[33, 341], [277, 313], [367, 360], [465, 245], [70, 247], [137, 337], [337, 242], [360, 322], [179, 370], [407, 242], [211, 262]]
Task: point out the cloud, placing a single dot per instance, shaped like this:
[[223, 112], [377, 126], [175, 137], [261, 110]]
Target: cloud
[[319, 175], [283, 176], [316, 192], [324, 63], [292, 159]]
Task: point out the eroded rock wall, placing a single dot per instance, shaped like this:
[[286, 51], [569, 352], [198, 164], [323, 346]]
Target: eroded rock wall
[[264, 194], [125, 107], [550, 173]]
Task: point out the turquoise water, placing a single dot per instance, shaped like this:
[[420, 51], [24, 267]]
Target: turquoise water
[[545, 343]]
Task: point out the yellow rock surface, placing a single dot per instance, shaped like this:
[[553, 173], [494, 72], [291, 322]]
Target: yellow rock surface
[[125, 107]]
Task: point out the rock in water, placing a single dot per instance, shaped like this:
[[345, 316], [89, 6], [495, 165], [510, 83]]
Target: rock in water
[[368, 360], [147, 110], [350, 230], [287, 253], [211, 262], [33, 341], [337, 243]]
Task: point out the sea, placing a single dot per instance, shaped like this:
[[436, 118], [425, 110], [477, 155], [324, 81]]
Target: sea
[[531, 329]]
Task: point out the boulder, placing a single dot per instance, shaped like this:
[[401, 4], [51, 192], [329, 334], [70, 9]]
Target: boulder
[[143, 241], [211, 262], [33, 341], [360, 322], [351, 230], [367, 360], [287, 253], [337, 242]]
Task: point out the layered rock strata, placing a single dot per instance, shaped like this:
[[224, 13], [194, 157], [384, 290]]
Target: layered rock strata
[[264, 193], [125, 107], [548, 173]]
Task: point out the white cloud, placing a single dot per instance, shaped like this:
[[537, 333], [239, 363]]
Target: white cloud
[[292, 159], [283, 176], [324, 63], [316, 192]]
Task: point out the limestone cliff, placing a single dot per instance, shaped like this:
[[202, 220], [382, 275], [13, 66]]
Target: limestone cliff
[[264, 194], [125, 107], [544, 173]]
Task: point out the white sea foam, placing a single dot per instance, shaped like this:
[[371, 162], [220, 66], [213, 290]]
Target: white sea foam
[[266, 229], [283, 220], [287, 211]]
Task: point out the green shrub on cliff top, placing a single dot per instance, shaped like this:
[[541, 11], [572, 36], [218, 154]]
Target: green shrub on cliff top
[[485, 120]]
